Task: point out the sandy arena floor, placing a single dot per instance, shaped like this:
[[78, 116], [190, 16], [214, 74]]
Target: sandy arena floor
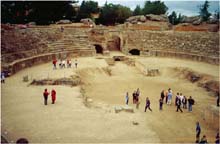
[[69, 120]]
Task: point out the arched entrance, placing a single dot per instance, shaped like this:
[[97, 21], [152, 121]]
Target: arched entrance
[[134, 52], [98, 48], [114, 44]]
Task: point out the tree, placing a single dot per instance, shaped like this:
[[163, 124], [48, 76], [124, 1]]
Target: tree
[[111, 14], [137, 11], [38, 11], [14, 11], [216, 14], [173, 19], [154, 7], [51, 11], [204, 13], [122, 13], [87, 8]]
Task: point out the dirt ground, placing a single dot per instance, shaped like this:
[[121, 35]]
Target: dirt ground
[[69, 120]]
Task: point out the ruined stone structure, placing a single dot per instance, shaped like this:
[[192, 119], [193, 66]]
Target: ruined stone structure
[[21, 48], [200, 46]]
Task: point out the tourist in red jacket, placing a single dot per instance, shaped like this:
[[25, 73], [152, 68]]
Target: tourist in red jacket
[[53, 96], [54, 64]]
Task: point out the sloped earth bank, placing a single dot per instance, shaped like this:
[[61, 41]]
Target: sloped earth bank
[[70, 120]]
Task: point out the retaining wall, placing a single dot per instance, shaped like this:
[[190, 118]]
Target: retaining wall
[[18, 65]]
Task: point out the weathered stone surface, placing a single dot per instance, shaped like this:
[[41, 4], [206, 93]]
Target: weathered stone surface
[[197, 22], [153, 17], [135, 19], [32, 23], [142, 18], [64, 22], [190, 19], [213, 21], [153, 72], [61, 81], [118, 109], [87, 21], [123, 108]]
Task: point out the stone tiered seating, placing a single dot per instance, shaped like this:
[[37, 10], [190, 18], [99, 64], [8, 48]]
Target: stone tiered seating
[[201, 44], [41, 44]]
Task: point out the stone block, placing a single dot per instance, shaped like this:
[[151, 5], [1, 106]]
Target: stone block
[[125, 108]]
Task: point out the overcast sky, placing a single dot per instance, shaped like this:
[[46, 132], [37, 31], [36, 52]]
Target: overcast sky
[[188, 8]]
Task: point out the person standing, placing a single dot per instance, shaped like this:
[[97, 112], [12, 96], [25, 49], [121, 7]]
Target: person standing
[[63, 64], [217, 101], [53, 96], [137, 95], [162, 95], [203, 140], [217, 138], [170, 91], [60, 64], [184, 101], [178, 104], [198, 131], [126, 98], [190, 103], [177, 98], [69, 63], [181, 99], [76, 63], [166, 95], [2, 77], [169, 97], [161, 103], [147, 105], [54, 64], [134, 97], [45, 94]]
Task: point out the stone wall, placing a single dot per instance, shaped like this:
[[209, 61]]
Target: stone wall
[[21, 48], [201, 46], [20, 64]]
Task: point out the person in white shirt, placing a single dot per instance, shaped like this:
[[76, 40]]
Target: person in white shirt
[[181, 99], [63, 64]]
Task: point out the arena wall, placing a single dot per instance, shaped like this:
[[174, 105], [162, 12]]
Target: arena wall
[[21, 48]]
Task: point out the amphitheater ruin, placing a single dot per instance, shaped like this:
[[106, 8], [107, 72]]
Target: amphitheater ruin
[[113, 60]]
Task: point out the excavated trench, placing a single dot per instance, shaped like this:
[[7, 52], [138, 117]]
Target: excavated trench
[[202, 80]]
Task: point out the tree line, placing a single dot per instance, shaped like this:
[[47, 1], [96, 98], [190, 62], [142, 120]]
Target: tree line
[[110, 14]]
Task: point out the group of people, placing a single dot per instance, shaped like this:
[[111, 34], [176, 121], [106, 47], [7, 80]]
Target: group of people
[[64, 63], [46, 94], [180, 100], [203, 140], [136, 95]]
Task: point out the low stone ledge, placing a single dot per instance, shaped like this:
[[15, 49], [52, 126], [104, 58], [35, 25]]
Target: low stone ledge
[[200, 58], [125, 108], [20, 64]]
